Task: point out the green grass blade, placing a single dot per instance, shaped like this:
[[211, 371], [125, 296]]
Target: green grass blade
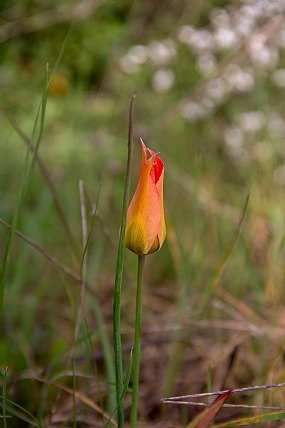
[[106, 346], [90, 230], [221, 266], [276, 416], [95, 368], [4, 398], [27, 416], [26, 176], [20, 197], [41, 114], [126, 385], [119, 277], [176, 352]]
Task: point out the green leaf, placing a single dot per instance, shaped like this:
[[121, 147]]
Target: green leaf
[[276, 416], [125, 386]]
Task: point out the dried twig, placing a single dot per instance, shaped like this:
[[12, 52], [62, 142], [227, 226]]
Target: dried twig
[[236, 406], [71, 273], [181, 399], [58, 264], [50, 183]]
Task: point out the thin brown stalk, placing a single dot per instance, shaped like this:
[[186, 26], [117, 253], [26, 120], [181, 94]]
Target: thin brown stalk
[[45, 253], [236, 406], [80, 396], [103, 225], [83, 272], [50, 184]]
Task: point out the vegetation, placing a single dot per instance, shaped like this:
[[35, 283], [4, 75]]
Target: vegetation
[[209, 78]]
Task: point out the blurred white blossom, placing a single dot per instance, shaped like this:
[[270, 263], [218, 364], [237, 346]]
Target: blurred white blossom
[[234, 137], [267, 57], [217, 90], [253, 10], [256, 42], [127, 65], [225, 38], [251, 121], [162, 53], [138, 54], [244, 20], [219, 17], [272, 8], [239, 79], [260, 53], [184, 33], [191, 111], [201, 40], [163, 79]]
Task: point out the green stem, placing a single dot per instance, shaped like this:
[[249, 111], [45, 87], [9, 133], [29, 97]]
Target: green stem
[[137, 349], [118, 280]]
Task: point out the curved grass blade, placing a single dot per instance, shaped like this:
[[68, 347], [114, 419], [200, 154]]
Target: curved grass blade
[[29, 418]]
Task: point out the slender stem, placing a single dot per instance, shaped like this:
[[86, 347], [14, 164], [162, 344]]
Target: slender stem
[[137, 347], [119, 278]]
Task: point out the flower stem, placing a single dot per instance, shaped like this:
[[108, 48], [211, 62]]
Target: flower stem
[[136, 367], [118, 280]]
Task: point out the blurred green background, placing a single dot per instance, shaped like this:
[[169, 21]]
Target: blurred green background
[[210, 79]]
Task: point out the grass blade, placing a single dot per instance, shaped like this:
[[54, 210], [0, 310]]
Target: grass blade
[[276, 416], [30, 419], [50, 184], [27, 174], [221, 266], [4, 397], [178, 354], [119, 276], [126, 385], [204, 419]]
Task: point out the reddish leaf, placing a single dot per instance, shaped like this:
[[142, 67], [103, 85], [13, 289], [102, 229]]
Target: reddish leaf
[[205, 418]]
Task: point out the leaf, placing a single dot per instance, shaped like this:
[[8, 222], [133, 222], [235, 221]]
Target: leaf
[[205, 418], [276, 416], [125, 387]]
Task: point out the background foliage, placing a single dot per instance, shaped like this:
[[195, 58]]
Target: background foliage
[[210, 79]]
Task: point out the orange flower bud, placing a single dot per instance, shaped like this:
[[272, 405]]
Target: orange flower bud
[[145, 229]]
